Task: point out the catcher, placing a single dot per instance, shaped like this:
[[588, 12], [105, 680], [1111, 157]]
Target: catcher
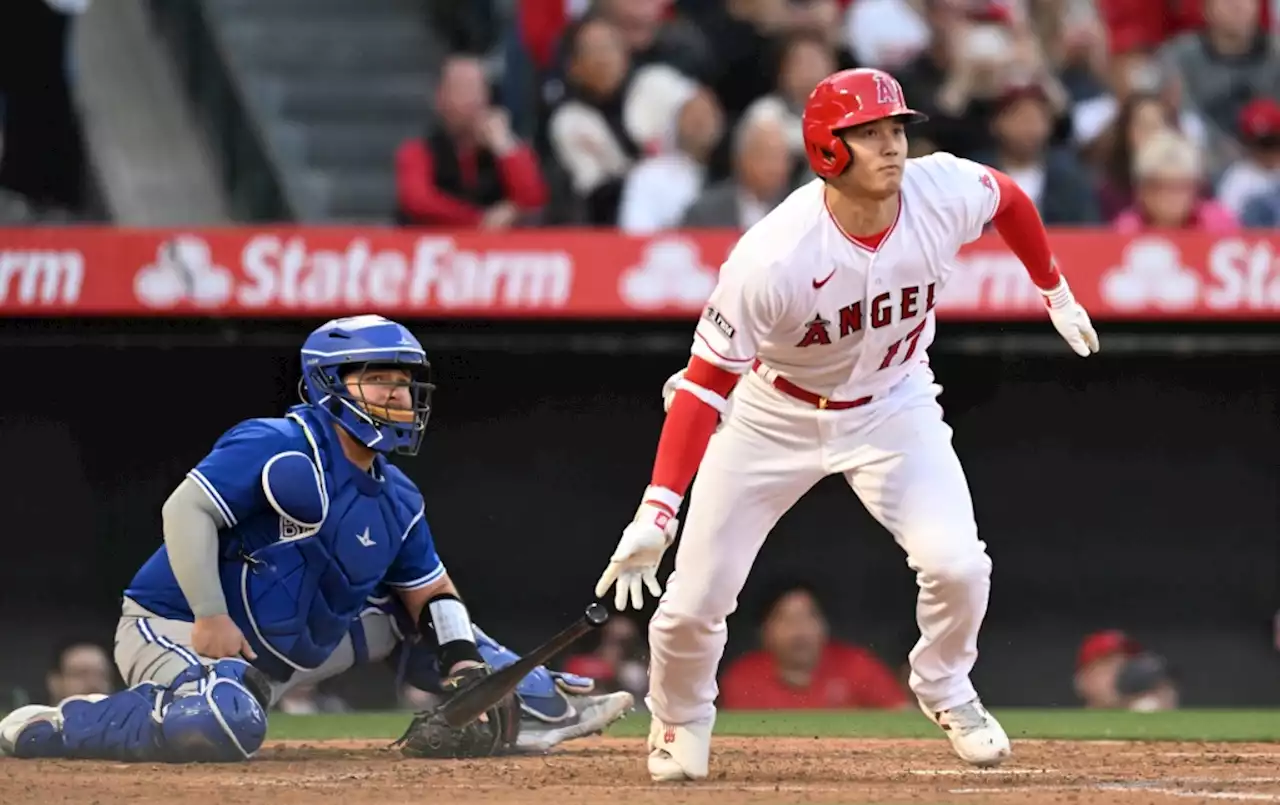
[[292, 552]]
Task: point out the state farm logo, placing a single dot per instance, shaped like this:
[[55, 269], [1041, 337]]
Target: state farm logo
[[671, 272], [427, 272], [290, 273], [41, 277], [183, 271], [1151, 274]]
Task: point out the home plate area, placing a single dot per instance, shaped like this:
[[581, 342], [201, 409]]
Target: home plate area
[[744, 770]]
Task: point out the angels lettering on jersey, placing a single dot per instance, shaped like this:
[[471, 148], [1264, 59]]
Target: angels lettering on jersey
[[838, 317]]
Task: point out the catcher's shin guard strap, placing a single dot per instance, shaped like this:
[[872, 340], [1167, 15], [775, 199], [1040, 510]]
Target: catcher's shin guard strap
[[446, 618]]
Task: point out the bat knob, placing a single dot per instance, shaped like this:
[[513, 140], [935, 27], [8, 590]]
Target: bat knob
[[596, 614]]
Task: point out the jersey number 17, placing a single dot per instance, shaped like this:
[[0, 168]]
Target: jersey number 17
[[910, 339]]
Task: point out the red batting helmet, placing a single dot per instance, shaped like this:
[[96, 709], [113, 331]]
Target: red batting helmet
[[843, 100]]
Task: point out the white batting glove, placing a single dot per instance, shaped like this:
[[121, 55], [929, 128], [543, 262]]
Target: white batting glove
[[1071, 320], [634, 564]]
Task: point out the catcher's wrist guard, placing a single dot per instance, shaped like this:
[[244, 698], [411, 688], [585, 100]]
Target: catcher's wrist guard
[[430, 736], [446, 621]]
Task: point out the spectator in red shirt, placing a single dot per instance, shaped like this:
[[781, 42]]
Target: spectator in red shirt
[[1114, 672], [471, 170], [800, 668], [618, 662]]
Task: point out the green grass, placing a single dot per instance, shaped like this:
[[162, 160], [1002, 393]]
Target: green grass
[[1178, 725]]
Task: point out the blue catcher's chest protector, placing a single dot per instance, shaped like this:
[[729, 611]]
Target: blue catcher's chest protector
[[311, 547]]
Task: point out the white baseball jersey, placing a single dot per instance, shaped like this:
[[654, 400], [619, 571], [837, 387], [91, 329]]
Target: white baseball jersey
[[826, 312]]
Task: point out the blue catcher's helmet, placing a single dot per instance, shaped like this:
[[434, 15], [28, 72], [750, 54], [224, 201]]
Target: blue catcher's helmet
[[357, 344]]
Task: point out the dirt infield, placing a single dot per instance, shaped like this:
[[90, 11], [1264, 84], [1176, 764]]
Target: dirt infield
[[744, 770]]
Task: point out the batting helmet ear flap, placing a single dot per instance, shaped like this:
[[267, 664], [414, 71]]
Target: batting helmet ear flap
[[829, 156], [838, 156]]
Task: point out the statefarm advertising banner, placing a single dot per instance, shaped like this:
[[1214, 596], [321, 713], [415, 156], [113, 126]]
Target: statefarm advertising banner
[[575, 274]]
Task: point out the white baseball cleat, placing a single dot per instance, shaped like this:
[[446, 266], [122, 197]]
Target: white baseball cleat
[[13, 725], [586, 715], [679, 752], [974, 733]]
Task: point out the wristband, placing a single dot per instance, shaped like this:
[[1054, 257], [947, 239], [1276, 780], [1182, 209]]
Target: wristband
[[663, 498], [1059, 297], [445, 618]]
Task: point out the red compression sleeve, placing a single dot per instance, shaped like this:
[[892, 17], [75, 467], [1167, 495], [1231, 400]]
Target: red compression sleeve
[[1019, 224], [689, 426]]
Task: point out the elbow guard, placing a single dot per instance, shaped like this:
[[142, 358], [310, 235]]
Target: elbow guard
[[678, 382]]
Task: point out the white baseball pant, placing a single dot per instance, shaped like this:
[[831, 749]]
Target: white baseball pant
[[896, 454]]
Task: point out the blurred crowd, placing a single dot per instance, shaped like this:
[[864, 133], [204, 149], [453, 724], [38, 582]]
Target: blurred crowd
[[795, 664], [653, 114]]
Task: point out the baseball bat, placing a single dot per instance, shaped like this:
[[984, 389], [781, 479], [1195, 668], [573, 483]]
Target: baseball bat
[[473, 701]]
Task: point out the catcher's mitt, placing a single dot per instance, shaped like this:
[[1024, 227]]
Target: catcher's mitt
[[430, 736]]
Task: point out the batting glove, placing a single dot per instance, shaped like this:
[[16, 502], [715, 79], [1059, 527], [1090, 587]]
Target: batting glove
[[634, 564], [1071, 320]]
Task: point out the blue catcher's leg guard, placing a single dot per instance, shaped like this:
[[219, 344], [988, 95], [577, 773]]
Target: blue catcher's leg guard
[[555, 706], [123, 726], [209, 714]]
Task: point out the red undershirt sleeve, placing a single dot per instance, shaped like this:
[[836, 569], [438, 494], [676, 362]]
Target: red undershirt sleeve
[[689, 426], [1018, 223]]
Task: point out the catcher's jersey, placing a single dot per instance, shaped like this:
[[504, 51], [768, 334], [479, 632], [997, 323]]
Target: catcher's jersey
[[293, 589], [826, 312]]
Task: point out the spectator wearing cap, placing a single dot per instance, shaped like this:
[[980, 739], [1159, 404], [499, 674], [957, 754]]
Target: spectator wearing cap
[[660, 188], [1168, 177], [1142, 115], [1113, 671], [1231, 61], [799, 667], [762, 177], [611, 116], [1258, 171], [470, 170], [1052, 177]]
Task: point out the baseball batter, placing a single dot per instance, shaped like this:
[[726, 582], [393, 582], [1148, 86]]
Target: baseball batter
[[293, 551], [811, 358]]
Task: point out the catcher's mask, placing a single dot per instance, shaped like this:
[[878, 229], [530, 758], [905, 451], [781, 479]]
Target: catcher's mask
[[355, 385]]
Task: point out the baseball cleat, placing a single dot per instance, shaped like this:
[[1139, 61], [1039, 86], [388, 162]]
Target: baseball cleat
[[679, 752], [587, 715], [974, 733], [24, 731]]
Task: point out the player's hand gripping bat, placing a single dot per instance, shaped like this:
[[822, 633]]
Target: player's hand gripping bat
[[487, 692]]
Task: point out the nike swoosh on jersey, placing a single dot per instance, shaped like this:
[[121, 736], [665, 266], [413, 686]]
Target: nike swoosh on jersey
[[820, 283]]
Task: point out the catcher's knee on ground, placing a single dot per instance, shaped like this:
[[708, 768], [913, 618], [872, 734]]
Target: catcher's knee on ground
[[209, 714]]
